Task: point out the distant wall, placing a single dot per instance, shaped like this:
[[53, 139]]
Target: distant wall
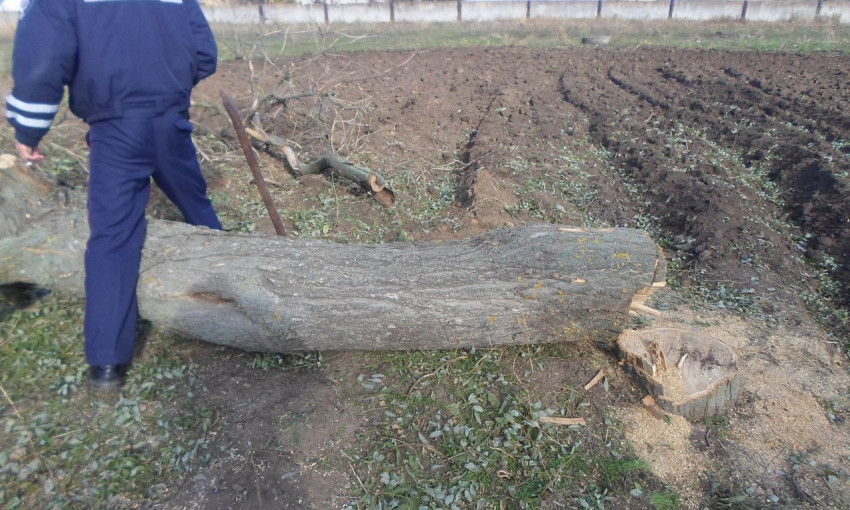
[[708, 10], [433, 12], [765, 11], [635, 10], [449, 10], [295, 14], [494, 10], [563, 10], [837, 10]]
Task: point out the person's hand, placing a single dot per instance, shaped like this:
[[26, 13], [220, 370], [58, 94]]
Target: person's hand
[[29, 154]]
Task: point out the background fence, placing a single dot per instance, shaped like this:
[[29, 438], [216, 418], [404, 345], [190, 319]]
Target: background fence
[[460, 10]]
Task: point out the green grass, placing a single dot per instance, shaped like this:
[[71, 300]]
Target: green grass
[[454, 429], [274, 41], [457, 431], [61, 447]]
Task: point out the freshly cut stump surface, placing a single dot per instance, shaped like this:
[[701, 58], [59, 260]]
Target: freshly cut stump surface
[[687, 374]]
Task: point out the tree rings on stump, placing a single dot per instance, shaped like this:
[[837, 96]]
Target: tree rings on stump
[[687, 374]]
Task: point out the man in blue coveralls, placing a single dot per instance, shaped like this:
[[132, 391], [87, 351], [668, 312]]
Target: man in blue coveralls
[[130, 66]]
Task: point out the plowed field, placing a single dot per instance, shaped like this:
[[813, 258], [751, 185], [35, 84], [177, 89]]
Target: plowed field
[[737, 163]]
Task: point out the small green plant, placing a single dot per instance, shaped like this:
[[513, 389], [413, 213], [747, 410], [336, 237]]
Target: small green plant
[[667, 500], [464, 435], [270, 361], [61, 447], [717, 421], [312, 223]]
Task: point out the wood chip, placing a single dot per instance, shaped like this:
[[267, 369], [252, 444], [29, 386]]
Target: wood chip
[[256, 134], [637, 307], [562, 421], [653, 407], [7, 160], [291, 159], [596, 378]]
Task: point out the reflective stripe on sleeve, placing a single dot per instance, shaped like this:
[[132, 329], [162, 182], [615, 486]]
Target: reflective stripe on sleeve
[[31, 107], [29, 122]]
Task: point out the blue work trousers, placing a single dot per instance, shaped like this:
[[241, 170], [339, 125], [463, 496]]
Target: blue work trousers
[[124, 154]]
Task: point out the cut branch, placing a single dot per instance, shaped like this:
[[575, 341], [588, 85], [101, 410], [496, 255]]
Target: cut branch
[[371, 182]]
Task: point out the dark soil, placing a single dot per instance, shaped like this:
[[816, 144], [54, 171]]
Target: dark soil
[[736, 162], [702, 147]]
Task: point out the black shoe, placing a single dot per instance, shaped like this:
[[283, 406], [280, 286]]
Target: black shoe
[[106, 377]]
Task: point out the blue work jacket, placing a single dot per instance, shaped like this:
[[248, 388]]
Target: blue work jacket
[[114, 55]]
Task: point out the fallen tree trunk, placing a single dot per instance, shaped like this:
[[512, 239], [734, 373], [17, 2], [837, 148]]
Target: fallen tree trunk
[[537, 283]]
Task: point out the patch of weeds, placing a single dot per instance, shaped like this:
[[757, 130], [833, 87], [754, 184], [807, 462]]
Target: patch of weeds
[[527, 204], [667, 500], [614, 471], [823, 301], [640, 321], [727, 297], [464, 433], [221, 201], [286, 362], [719, 296], [717, 421], [759, 181], [62, 447], [424, 203], [358, 231], [829, 475], [68, 170], [442, 192], [721, 496], [834, 412], [312, 223], [566, 180], [333, 220], [841, 145], [244, 216], [717, 427], [828, 287]]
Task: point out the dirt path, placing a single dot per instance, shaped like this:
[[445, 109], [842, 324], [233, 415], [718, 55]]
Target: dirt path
[[737, 163]]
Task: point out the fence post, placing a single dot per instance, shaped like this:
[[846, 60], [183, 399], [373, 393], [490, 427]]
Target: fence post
[[820, 6], [528, 9], [460, 10], [325, 7], [392, 10], [599, 9], [744, 12], [670, 12]]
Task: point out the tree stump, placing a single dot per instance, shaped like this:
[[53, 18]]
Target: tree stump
[[687, 374]]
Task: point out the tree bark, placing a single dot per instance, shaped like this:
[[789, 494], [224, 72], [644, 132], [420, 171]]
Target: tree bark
[[537, 283]]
